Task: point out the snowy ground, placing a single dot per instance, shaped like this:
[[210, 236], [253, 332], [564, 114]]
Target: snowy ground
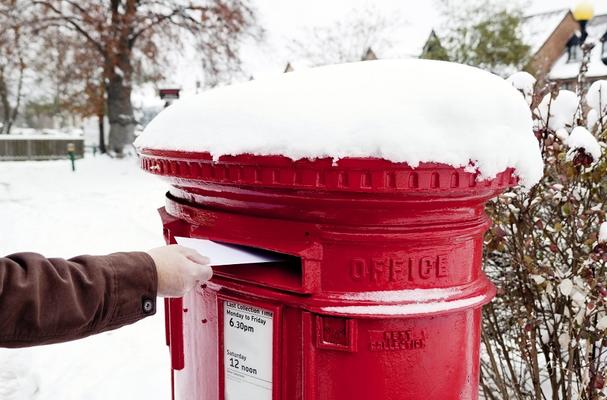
[[105, 206]]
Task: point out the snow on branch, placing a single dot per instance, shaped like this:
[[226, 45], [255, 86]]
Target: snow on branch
[[558, 112], [584, 149], [525, 83]]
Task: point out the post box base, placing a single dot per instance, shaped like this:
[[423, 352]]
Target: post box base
[[313, 356]]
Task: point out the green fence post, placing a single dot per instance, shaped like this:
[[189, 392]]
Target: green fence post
[[71, 150]]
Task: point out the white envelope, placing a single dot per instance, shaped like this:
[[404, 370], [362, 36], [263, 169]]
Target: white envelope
[[229, 254]]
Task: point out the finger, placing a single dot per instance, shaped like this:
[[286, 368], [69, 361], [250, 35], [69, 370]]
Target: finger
[[185, 250], [194, 255], [201, 272], [199, 259]]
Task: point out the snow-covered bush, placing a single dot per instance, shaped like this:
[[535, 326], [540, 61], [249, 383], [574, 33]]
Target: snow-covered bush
[[545, 335]]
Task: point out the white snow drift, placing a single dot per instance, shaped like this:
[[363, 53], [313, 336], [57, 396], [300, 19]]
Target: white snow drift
[[559, 112], [401, 110]]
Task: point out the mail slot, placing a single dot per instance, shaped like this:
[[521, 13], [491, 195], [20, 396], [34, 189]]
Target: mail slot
[[275, 270], [379, 296]]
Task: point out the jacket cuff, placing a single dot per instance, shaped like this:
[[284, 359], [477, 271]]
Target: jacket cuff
[[134, 288]]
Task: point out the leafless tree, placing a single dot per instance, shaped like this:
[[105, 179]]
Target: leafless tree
[[12, 63], [348, 39], [127, 36]]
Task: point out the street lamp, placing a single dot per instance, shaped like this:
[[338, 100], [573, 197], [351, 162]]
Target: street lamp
[[169, 95], [583, 12]]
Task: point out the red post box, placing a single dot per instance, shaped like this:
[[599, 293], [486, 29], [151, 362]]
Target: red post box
[[379, 296]]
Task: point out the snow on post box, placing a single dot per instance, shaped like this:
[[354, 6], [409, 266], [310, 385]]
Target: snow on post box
[[370, 180]]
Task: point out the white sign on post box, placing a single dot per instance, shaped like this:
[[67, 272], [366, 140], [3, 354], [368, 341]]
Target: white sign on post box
[[247, 343]]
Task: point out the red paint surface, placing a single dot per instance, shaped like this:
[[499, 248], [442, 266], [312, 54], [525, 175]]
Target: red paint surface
[[355, 227]]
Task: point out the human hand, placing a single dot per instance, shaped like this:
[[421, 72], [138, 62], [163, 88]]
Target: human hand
[[179, 268]]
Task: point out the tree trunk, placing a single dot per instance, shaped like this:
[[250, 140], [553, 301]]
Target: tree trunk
[[118, 72], [15, 111], [101, 125], [120, 113], [9, 114], [6, 107]]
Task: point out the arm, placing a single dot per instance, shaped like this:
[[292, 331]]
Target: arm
[[54, 300]]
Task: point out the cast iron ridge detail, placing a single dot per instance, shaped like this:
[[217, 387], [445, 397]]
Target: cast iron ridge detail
[[354, 174], [472, 295], [329, 232]]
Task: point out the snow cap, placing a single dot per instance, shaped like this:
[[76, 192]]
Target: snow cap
[[525, 82], [559, 112], [596, 97], [408, 111], [581, 138], [603, 233]]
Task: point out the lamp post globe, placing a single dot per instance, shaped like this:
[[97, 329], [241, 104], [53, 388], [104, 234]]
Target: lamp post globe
[[583, 12]]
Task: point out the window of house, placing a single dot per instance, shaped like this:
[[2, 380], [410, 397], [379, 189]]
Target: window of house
[[574, 53], [574, 50]]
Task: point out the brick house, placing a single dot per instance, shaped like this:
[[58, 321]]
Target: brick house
[[566, 67], [547, 34], [554, 41]]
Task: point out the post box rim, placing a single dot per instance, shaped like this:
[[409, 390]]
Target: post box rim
[[284, 172]]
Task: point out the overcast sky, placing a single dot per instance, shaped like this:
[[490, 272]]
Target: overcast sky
[[286, 19], [285, 15]]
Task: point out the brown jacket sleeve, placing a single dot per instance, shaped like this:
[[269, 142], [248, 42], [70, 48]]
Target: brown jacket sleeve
[[54, 300]]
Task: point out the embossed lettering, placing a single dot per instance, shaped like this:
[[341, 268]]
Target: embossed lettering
[[358, 269], [426, 267], [397, 340], [378, 268], [442, 269], [399, 269]]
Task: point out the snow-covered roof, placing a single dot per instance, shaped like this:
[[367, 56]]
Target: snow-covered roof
[[43, 134], [538, 28], [409, 111], [563, 69]]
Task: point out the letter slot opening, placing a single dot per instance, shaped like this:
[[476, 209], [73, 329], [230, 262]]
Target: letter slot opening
[[285, 274]]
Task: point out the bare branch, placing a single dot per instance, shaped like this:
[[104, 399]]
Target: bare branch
[[70, 20]]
